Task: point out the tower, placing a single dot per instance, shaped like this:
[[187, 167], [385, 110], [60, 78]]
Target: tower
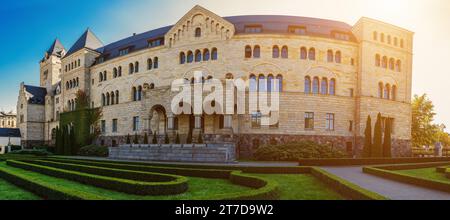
[[50, 66]]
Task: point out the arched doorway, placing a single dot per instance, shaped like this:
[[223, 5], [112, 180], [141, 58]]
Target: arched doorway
[[158, 120]]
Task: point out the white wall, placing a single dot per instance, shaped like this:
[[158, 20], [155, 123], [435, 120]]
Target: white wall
[[4, 142]]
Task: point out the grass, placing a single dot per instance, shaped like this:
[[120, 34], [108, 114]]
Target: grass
[[427, 173], [198, 187], [11, 192], [301, 187]]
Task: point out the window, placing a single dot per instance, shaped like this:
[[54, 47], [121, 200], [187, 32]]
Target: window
[[256, 119], [136, 67], [375, 36], [307, 85], [124, 52], [262, 83], [156, 42], [395, 41], [248, 52], [117, 96], [113, 100], [389, 39], [150, 63], [303, 53], [139, 93], [324, 86], [338, 57], [131, 68], [198, 32], [385, 61], [256, 52], [330, 56], [330, 121], [108, 99], [342, 36], [270, 85], [398, 66], [100, 76], [253, 29], [394, 93], [284, 52], [332, 89], [21, 119], [380, 90], [198, 56], [182, 58], [114, 125], [401, 43], [103, 126], [280, 83], [134, 93], [312, 54], [136, 123], [115, 72], [297, 30], [103, 100], [350, 126], [387, 92], [190, 57], [378, 60], [221, 121], [253, 83], [214, 55], [275, 52], [206, 55], [391, 64], [382, 38], [309, 120], [315, 89]]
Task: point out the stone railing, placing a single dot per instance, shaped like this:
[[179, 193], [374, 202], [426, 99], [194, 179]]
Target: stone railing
[[213, 153]]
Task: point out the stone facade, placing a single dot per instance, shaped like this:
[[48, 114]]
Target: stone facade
[[8, 120], [110, 77]]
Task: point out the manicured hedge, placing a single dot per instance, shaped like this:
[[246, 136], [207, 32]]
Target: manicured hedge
[[413, 166], [369, 161], [45, 189], [123, 185], [344, 187], [433, 184], [442, 169]]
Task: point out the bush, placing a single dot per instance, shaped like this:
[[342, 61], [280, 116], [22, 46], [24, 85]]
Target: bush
[[15, 147], [35, 152], [295, 151], [93, 151]]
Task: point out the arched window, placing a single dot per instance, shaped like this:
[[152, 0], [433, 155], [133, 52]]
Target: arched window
[[206, 55], [315, 85], [257, 51], [280, 83], [198, 56], [307, 85], [394, 93], [380, 90], [398, 66], [190, 57], [229, 76], [275, 52], [150, 63], [324, 86], [284, 52], [131, 68], [152, 86], [389, 39], [100, 76], [401, 43], [134, 93], [377, 60], [155, 63], [115, 72], [71, 84], [67, 85], [387, 91], [253, 83], [105, 76], [385, 61], [270, 85], [136, 67], [198, 32], [382, 38], [108, 98], [79, 62], [182, 58], [117, 96], [330, 57], [113, 98], [139, 93], [391, 64], [332, 87], [214, 55], [303, 53], [312, 54], [78, 82], [120, 71], [248, 51], [262, 83], [103, 100], [375, 36], [395, 41], [338, 57]]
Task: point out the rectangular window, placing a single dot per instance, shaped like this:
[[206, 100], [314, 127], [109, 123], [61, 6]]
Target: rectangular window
[[114, 125], [136, 123], [330, 122], [156, 42], [103, 126], [124, 51], [253, 29], [309, 120], [297, 30], [256, 119], [350, 126]]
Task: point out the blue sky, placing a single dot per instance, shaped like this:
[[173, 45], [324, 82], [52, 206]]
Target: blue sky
[[29, 27]]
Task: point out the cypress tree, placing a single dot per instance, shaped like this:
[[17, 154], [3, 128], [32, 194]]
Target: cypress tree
[[200, 138], [166, 139], [177, 139], [136, 139], [128, 139], [377, 148], [387, 139], [155, 139], [189, 137], [367, 138], [145, 138], [73, 142], [67, 143]]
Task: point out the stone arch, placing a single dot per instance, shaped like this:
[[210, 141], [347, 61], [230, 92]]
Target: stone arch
[[158, 119]]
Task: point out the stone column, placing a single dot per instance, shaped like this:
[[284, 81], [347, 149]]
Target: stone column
[[171, 126], [197, 128]]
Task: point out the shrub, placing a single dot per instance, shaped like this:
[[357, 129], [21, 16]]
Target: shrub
[[200, 138], [154, 140], [128, 139], [15, 147], [94, 151], [166, 139], [177, 139], [296, 150], [34, 152], [145, 138], [136, 139]]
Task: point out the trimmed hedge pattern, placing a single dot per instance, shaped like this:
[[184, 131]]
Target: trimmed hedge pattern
[[442, 169], [369, 161], [123, 185], [46, 190], [413, 166]]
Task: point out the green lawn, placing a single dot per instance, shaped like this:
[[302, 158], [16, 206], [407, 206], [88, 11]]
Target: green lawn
[[11, 192], [427, 173], [302, 187]]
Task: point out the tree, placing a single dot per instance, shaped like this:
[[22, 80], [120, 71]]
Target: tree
[[67, 141], [166, 139], [145, 138], [422, 129], [136, 139], [387, 148], [155, 139], [128, 139], [200, 138], [377, 148], [73, 142], [367, 138], [177, 139], [189, 137]]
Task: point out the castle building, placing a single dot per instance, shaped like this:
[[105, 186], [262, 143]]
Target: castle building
[[332, 77], [7, 120]]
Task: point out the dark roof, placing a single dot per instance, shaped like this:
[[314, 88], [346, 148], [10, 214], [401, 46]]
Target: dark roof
[[87, 40], [56, 48], [10, 132], [38, 94], [270, 24]]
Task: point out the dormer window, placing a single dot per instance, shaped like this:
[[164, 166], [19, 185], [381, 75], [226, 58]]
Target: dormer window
[[198, 32], [124, 52], [297, 30], [253, 29], [155, 42], [342, 36]]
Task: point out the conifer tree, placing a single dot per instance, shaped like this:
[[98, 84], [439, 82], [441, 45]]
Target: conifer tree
[[177, 139], [387, 152], [367, 138], [155, 139], [377, 148], [166, 139], [145, 138], [136, 139], [128, 139]]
